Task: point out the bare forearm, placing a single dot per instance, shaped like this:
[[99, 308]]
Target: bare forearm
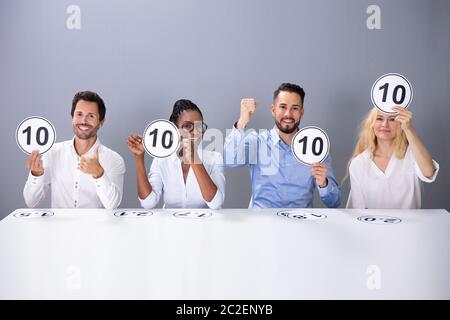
[[420, 152], [207, 186], [143, 185]]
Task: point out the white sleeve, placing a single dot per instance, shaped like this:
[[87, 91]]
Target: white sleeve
[[356, 197], [36, 188], [109, 186], [218, 178], [155, 179], [422, 177]]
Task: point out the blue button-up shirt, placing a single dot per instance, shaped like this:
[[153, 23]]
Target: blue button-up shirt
[[278, 179]]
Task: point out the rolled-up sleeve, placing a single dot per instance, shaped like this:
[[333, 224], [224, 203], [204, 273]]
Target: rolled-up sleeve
[[422, 177], [155, 179], [218, 177]]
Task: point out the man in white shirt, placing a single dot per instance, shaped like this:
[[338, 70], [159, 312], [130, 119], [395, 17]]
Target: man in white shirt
[[82, 173]]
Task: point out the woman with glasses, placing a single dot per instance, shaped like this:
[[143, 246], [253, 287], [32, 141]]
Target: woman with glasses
[[189, 178]]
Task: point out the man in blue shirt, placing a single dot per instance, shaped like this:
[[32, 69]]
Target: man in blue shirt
[[278, 179]]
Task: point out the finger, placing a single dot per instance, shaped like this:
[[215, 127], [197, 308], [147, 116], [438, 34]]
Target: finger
[[83, 161], [135, 139], [84, 166], [318, 175], [402, 111], [320, 171], [36, 161], [29, 161], [400, 118], [318, 165], [133, 144], [40, 165], [249, 102], [405, 115], [33, 156]]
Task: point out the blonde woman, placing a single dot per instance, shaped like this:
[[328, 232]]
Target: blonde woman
[[389, 163]]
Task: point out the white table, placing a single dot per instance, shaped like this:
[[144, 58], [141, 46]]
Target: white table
[[232, 254]]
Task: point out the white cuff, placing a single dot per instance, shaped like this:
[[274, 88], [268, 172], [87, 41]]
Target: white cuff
[[150, 202], [103, 182], [426, 179], [35, 181], [217, 201]]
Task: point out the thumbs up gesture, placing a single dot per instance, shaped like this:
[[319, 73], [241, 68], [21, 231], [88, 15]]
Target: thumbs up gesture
[[91, 165]]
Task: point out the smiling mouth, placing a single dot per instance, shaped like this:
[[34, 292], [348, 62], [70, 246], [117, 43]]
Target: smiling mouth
[[83, 128], [288, 121]]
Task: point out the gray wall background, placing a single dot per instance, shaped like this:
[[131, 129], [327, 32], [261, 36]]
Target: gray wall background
[[141, 56]]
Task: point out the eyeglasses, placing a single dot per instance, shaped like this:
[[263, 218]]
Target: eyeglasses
[[190, 126]]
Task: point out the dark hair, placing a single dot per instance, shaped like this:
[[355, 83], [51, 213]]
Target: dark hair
[[181, 106], [91, 97], [290, 87]]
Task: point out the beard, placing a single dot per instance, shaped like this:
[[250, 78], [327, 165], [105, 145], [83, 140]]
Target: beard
[[286, 129], [85, 135]]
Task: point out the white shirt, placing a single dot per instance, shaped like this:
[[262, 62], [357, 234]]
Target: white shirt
[[399, 187], [72, 188], [167, 175]]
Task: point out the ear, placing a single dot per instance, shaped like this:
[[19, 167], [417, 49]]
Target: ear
[[302, 111], [273, 110], [101, 123]]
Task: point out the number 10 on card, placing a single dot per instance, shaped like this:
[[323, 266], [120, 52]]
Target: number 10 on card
[[161, 138], [391, 90], [310, 145], [35, 133]]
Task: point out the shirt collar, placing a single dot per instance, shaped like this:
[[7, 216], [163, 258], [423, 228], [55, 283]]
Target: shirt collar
[[274, 135], [90, 151]]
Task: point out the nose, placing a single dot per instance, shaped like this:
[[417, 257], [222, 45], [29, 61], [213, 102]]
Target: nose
[[85, 118]]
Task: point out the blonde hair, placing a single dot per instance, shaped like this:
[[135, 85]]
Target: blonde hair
[[368, 141]]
